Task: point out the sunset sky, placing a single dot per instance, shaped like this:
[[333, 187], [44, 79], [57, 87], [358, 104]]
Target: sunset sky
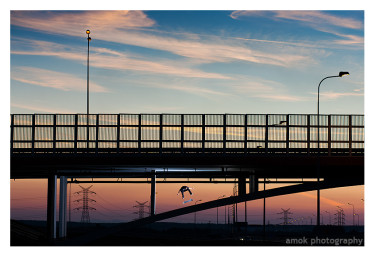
[[115, 202], [187, 61]]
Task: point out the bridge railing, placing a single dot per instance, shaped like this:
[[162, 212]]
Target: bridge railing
[[182, 133]]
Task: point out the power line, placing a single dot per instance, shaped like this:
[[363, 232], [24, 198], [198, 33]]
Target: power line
[[119, 208], [27, 198], [112, 211]]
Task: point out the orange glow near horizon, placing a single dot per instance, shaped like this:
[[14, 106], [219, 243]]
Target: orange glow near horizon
[[115, 202]]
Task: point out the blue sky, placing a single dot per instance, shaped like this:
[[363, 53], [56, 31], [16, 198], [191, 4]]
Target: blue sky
[[187, 61]]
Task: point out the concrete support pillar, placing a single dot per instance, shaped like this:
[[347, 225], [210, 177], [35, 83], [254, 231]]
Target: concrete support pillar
[[62, 207], [51, 207], [253, 185], [153, 192], [241, 185]]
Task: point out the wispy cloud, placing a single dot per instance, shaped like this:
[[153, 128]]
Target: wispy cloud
[[39, 109], [349, 39], [314, 18], [122, 62], [205, 50], [240, 86], [335, 95], [52, 79], [322, 199], [45, 48], [206, 92], [252, 87], [318, 20], [310, 18], [76, 22], [265, 89], [115, 29], [111, 59], [180, 85]]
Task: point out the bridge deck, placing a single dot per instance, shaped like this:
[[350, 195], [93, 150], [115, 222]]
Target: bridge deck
[[184, 132], [272, 144]]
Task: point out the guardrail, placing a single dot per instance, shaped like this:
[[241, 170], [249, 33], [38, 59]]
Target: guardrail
[[182, 133]]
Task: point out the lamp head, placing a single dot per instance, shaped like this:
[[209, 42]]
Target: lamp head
[[343, 73], [88, 32]]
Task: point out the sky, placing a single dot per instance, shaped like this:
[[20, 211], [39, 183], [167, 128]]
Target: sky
[[187, 61]]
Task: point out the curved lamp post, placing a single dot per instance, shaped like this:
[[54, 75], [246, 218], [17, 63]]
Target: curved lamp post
[[341, 74]]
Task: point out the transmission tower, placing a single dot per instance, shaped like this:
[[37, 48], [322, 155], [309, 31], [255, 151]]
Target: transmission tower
[[340, 217], [141, 209], [85, 218], [285, 217]]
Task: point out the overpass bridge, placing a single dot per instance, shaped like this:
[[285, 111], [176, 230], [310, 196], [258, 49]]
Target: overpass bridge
[[246, 148]]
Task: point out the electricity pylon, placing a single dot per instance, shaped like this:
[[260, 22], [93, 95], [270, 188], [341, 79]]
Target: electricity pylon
[[141, 209], [85, 218], [285, 217], [339, 217]]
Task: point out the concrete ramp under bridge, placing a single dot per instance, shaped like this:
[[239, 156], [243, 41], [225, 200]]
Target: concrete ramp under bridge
[[306, 186]]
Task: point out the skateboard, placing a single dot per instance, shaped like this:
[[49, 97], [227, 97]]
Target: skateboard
[[187, 201]]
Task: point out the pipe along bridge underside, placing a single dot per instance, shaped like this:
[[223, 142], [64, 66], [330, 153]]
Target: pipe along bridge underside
[[212, 148]]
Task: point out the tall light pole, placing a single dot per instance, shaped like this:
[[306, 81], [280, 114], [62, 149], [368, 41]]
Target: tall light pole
[[357, 218], [88, 69], [353, 211], [330, 223], [195, 213], [217, 210], [341, 74], [88, 88]]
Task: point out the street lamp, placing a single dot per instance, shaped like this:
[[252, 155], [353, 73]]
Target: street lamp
[[195, 213], [88, 67], [329, 217], [217, 210], [353, 211], [341, 74], [357, 218]]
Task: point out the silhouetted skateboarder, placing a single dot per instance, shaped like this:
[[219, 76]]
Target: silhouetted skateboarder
[[184, 189]]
